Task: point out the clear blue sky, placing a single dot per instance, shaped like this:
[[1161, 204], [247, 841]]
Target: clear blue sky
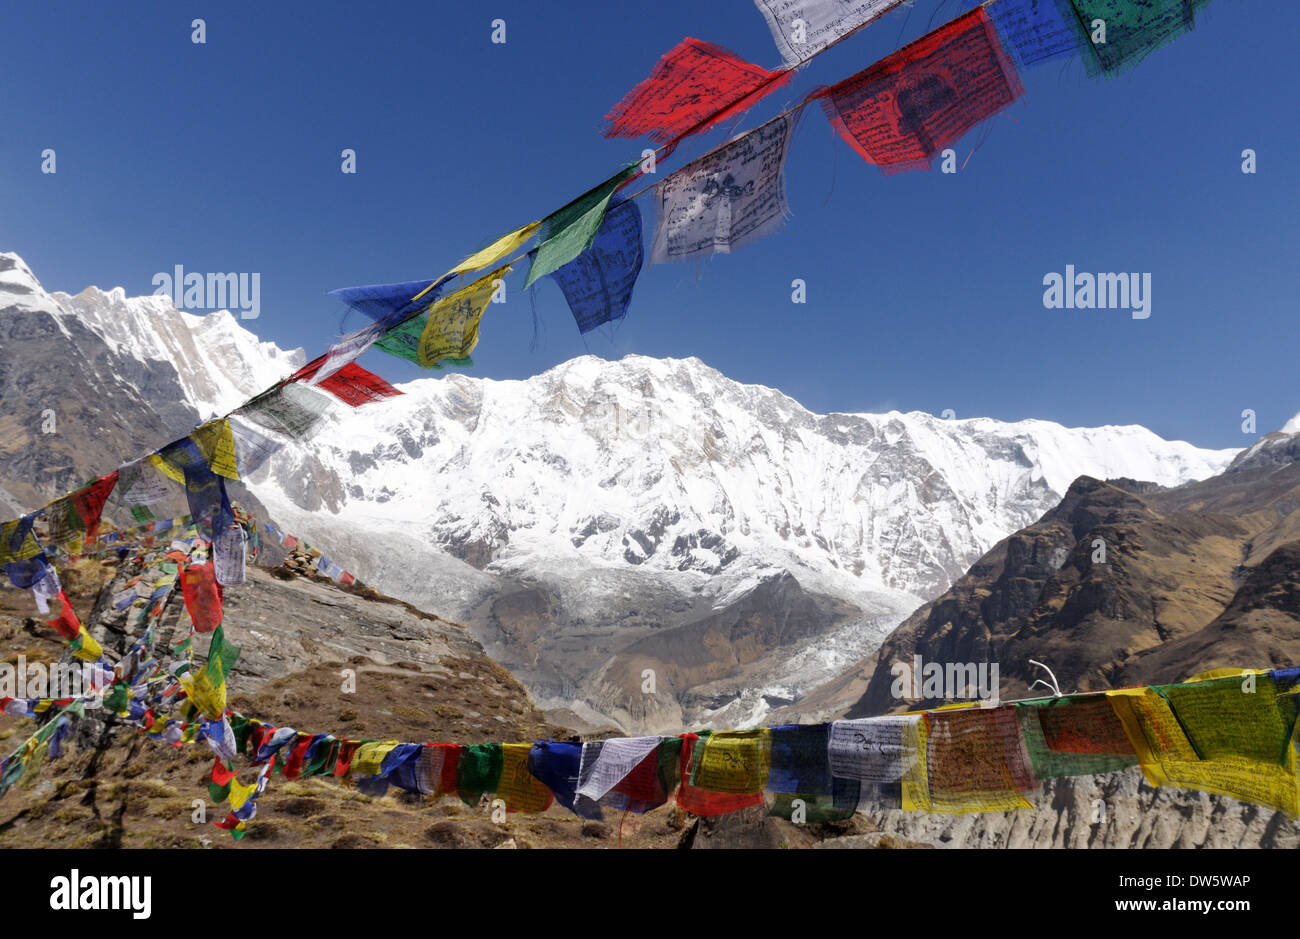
[[925, 290]]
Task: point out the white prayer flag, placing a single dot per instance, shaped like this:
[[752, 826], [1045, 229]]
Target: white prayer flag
[[875, 749], [725, 199], [802, 28], [604, 765]]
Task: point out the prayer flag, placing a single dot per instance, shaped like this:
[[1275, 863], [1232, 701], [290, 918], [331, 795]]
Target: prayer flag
[[910, 105], [727, 198], [1074, 735], [448, 329], [693, 87], [1133, 29], [291, 409], [975, 761], [569, 231], [802, 28], [519, 789], [598, 283], [506, 244], [350, 383], [1037, 31], [700, 801]]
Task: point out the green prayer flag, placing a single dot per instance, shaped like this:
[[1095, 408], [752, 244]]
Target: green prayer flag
[[479, 771], [222, 656], [569, 231], [1074, 736]]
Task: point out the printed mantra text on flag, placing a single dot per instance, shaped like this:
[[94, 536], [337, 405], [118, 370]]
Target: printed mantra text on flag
[[907, 107], [693, 87]]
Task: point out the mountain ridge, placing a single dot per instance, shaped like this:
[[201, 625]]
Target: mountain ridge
[[611, 500]]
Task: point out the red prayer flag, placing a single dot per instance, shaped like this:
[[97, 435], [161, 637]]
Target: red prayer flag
[[693, 87], [221, 775], [66, 623], [702, 802], [202, 596], [351, 384], [347, 750], [910, 105], [89, 502], [293, 766]]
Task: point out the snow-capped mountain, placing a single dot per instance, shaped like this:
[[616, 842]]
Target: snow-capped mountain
[[604, 518]]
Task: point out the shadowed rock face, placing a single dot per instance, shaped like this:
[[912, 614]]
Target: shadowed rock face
[[103, 407], [1203, 576]]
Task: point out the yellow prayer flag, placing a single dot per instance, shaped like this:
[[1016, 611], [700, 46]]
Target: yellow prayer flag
[[208, 698], [216, 441], [25, 547], [240, 794], [735, 761], [494, 252], [1169, 758], [451, 329], [89, 650], [171, 472], [520, 789], [916, 786], [369, 758]]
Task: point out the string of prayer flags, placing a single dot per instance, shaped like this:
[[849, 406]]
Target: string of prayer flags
[[910, 105], [727, 198], [350, 383], [1074, 736], [1036, 31], [975, 761], [1131, 29], [598, 283], [569, 231], [1216, 736], [292, 409], [693, 87], [802, 28]]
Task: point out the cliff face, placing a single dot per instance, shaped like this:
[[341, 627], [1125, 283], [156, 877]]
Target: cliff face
[[1117, 587], [1117, 810]]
